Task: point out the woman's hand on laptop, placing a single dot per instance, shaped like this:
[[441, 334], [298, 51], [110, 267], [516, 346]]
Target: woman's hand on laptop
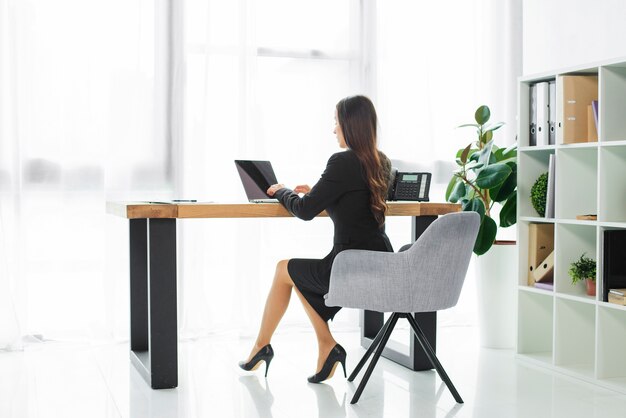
[[274, 188], [302, 188]]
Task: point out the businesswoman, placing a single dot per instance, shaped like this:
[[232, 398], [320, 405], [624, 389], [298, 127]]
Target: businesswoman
[[353, 191]]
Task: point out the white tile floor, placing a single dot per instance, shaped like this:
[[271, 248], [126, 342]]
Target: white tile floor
[[74, 380]]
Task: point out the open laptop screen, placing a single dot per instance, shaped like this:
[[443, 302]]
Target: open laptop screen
[[256, 177]]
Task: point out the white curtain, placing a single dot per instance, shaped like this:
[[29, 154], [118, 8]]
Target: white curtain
[[77, 127], [154, 99]]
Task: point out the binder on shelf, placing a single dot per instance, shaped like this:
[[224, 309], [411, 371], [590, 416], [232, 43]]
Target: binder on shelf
[[540, 245], [613, 261], [551, 180], [552, 115], [532, 116], [617, 296], [576, 92], [544, 272], [543, 113], [592, 133]]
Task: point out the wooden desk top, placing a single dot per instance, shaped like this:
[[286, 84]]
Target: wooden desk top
[[137, 210]]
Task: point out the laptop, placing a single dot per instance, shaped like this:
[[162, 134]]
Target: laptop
[[256, 177]]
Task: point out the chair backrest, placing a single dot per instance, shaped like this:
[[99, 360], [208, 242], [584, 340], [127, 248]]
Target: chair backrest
[[438, 261]]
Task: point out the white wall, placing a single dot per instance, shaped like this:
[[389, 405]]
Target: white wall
[[564, 33]]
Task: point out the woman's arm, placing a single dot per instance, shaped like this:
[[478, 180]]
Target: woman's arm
[[329, 187]]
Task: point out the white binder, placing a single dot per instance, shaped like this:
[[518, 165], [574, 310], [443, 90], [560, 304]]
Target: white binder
[[543, 113], [552, 117]]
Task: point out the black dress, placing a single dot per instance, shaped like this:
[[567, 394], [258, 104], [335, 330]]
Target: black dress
[[343, 192]]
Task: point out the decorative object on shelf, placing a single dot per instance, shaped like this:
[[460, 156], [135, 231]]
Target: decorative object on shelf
[[539, 193], [584, 269], [486, 175], [589, 217]]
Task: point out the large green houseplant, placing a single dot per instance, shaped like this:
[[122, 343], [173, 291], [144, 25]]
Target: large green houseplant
[[487, 175]]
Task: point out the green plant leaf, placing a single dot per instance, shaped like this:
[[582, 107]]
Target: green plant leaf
[[465, 153], [468, 124], [484, 155], [507, 188], [486, 236], [487, 136], [453, 181], [473, 165], [493, 127], [583, 268], [474, 205], [482, 115], [492, 176], [498, 153], [508, 213], [458, 192], [511, 151]]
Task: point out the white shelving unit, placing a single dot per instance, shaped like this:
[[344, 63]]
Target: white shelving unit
[[565, 329]]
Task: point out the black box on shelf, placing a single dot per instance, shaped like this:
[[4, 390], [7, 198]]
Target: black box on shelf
[[614, 263]]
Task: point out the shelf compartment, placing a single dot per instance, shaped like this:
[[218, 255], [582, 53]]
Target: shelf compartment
[[575, 325], [530, 166], [571, 242], [611, 344], [576, 186], [613, 101], [535, 325], [612, 186]]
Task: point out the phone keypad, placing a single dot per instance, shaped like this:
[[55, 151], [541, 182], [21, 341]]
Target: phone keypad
[[408, 191]]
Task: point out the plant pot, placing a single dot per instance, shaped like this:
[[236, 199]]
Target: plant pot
[[496, 284], [591, 287]]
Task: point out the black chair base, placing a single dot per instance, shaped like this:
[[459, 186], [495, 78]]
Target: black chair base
[[379, 344]]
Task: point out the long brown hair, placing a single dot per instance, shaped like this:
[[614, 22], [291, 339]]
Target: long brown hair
[[357, 118]]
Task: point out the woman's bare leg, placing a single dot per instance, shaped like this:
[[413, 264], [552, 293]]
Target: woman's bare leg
[[325, 340], [275, 306]]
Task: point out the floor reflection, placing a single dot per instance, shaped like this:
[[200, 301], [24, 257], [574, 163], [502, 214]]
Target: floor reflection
[[262, 397], [327, 404]]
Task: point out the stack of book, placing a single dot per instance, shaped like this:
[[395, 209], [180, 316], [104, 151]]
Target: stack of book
[[617, 296]]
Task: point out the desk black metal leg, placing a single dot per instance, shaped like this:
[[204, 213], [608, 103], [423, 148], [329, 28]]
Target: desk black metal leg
[[154, 339], [138, 285], [372, 322]]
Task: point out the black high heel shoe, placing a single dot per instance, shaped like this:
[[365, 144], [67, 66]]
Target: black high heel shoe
[[265, 354], [336, 355]]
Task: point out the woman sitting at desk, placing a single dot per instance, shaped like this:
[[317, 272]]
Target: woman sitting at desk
[[353, 191]]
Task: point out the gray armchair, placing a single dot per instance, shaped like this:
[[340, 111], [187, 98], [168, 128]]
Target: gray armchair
[[426, 276]]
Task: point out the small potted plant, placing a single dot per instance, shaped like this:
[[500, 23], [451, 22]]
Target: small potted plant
[[584, 269]]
